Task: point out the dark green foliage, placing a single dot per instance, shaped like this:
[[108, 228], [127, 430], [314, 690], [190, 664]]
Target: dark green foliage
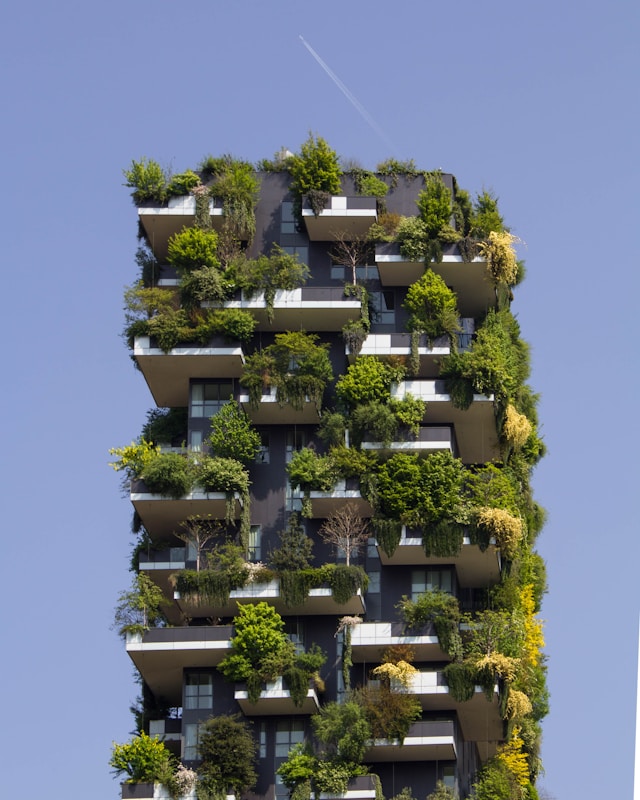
[[295, 586], [168, 474], [141, 607], [268, 274], [222, 475], [368, 184], [237, 186], [376, 419], [299, 767], [205, 284], [461, 679], [228, 752], [412, 239], [234, 323], [443, 539], [434, 204], [344, 582], [486, 217], [169, 328], [440, 608], [210, 585], [165, 426], [295, 364], [295, 550], [418, 491], [332, 428], [496, 782], [343, 729], [232, 435], [388, 533], [351, 463], [310, 471]]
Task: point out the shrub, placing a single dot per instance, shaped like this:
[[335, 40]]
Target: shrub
[[506, 529], [234, 323], [295, 550], [133, 458], [223, 475], [309, 471], [141, 607], [344, 729], [367, 379], [433, 307], [267, 274], [232, 435], [500, 256], [205, 284], [485, 217], [412, 239], [516, 428], [228, 751], [434, 204], [182, 183], [193, 248], [168, 474], [165, 426], [374, 418], [144, 759], [169, 328], [315, 168], [147, 179]]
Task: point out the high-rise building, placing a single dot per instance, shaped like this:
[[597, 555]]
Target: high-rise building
[[343, 435]]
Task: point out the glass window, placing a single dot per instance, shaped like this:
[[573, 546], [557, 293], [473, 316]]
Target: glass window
[[263, 455], [374, 583], [191, 735], [295, 631], [384, 306], [195, 441], [287, 220], [430, 580], [206, 398], [288, 733], [296, 440], [262, 752], [198, 690], [254, 548], [302, 251], [449, 776]]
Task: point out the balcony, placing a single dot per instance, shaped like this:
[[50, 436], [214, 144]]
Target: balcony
[[469, 280], [323, 504], [340, 216], [474, 568], [429, 439], [161, 655], [361, 788], [428, 740], [275, 700], [271, 412], [161, 515], [319, 601], [314, 308], [156, 791], [167, 374], [370, 639], [388, 345], [475, 428], [479, 718], [161, 222]]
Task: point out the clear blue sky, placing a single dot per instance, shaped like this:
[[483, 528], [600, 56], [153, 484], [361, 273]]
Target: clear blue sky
[[537, 101]]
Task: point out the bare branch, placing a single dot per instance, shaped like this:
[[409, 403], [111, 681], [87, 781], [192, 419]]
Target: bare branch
[[346, 530]]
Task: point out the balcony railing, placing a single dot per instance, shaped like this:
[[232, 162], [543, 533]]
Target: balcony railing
[[427, 740], [275, 699], [370, 639], [429, 439]]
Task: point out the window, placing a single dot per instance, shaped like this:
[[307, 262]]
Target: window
[[295, 631], [364, 273], [207, 398], [191, 736], [374, 583], [195, 441], [198, 690], [263, 456], [254, 547], [287, 219], [288, 733], [296, 440], [262, 742], [302, 251], [384, 305], [430, 580], [449, 776]]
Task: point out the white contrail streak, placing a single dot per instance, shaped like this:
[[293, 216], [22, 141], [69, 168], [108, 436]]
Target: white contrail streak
[[350, 97]]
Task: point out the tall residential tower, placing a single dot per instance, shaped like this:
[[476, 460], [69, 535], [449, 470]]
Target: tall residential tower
[[332, 491]]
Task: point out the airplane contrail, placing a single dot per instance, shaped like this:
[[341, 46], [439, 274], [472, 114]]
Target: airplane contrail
[[350, 97]]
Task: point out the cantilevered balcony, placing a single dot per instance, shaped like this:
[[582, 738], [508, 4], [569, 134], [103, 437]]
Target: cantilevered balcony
[[474, 568], [393, 345], [161, 515], [275, 700], [168, 374], [370, 639], [323, 504], [340, 216], [271, 412], [361, 788], [320, 601], [161, 222], [479, 718], [475, 427], [429, 439], [314, 308], [157, 791], [468, 279], [161, 655], [427, 740]]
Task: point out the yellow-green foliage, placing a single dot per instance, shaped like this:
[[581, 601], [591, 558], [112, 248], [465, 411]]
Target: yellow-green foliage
[[516, 427], [401, 672], [500, 256], [534, 638], [501, 666], [515, 760], [506, 529], [518, 704], [133, 458]]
